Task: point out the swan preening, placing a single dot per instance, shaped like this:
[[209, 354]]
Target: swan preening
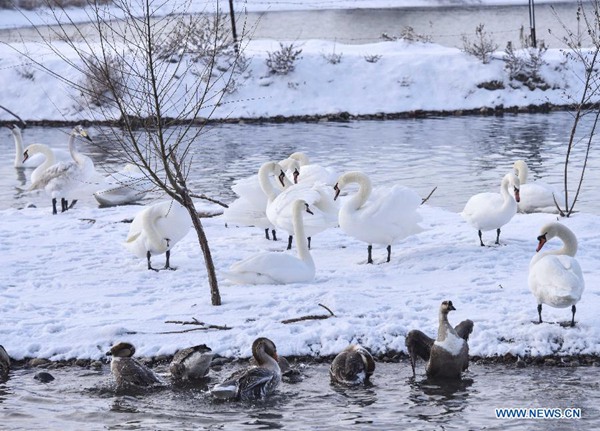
[[278, 267], [383, 216], [37, 159], [254, 382], [555, 277], [191, 363], [536, 196], [352, 366], [63, 180], [448, 355], [156, 229], [126, 186], [129, 373], [488, 211]]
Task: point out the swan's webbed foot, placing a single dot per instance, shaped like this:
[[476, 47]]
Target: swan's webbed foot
[[369, 250], [267, 234], [149, 264], [539, 309], [54, 206], [573, 310], [274, 234], [64, 205], [168, 262], [289, 246], [498, 236], [480, 238], [389, 250]]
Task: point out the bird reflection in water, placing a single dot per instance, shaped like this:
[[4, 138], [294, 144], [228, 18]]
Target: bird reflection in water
[[436, 399]]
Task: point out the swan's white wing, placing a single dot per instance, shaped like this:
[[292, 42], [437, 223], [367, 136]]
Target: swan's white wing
[[537, 197], [270, 268], [556, 280]]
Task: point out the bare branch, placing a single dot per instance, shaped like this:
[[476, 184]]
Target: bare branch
[[310, 317]]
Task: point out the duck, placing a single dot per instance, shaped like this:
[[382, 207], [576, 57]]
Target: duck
[[536, 196], [278, 267], [34, 161], [4, 364], [488, 211], [555, 277], [127, 186], [255, 382], [65, 179], [384, 216], [448, 355], [352, 366], [127, 371], [254, 194], [156, 229], [191, 363]]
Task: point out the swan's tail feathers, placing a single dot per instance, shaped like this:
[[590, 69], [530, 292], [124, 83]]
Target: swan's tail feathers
[[132, 237], [464, 329]]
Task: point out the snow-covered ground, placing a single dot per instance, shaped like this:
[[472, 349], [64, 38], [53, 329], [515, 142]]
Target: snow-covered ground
[[70, 289]]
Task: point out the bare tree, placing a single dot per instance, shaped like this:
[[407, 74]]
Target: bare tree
[[126, 75], [588, 18]]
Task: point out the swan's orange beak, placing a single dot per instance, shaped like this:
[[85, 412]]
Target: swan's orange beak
[[517, 195], [337, 191], [541, 241]]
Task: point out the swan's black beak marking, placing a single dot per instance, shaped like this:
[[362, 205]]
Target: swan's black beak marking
[[296, 175], [281, 177], [25, 155], [337, 191], [517, 195], [308, 209], [541, 241]]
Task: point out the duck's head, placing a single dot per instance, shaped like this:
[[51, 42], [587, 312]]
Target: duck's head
[[263, 346], [447, 306], [121, 350]]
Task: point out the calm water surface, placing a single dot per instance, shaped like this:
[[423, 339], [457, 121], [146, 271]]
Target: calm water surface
[[460, 156], [83, 399]]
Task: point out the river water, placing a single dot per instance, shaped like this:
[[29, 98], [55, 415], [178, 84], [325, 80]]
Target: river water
[[83, 399], [461, 156]]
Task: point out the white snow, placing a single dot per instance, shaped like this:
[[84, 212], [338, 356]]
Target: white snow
[[70, 289]]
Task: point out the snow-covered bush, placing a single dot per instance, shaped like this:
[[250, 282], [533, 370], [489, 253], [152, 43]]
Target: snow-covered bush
[[482, 46], [372, 58], [282, 61], [408, 34], [102, 80], [524, 65]]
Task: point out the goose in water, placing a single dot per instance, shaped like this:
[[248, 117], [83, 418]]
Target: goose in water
[[278, 267], [191, 363], [555, 277], [254, 194], [64, 180], [536, 196], [448, 355], [255, 382], [382, 216], [156, 229], [129, 373], [4, 364], [352, 366], [127, 186], [34, 161], [488, 211]]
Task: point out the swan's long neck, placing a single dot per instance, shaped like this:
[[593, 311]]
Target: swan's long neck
[[301, 243], [509, 200], [49, 158], [522, 171], [149, 222], [18, 147], [569, 242], [76, 155], [265, 181], [364, 189]]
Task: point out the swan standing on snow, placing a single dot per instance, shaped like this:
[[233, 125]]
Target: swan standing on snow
[[278, 267], [352, 366], [64, 179], [127, 186], [254, 382], [254, 194], [488, 211], [555, 277], [536, 196], [156, 229], [382, 217], [448, 355], [34, 161]]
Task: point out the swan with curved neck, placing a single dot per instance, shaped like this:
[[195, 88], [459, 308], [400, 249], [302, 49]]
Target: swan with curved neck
[[555, 277], [255, 382], [48, 160], [384, 216], [536, 196], [63, 179], [34, 160], [488, 211], [156, 229], [275, 267]]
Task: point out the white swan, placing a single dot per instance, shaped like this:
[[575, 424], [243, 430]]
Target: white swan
[[38, 159], [64, 180], [255, 193], [156, 229], [278, 267], [318, 196], [536, 196], [488, 211], [555, 277], [384, 216], [127, 186]]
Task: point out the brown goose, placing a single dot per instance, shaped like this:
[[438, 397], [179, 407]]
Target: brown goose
[[191, 363], [448, 355], [352, 366], [4, 364], [255, 382], [128, 372]]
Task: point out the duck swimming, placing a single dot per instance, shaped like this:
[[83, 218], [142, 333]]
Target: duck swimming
[[191, 363], [128, 372], [352, 366]]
